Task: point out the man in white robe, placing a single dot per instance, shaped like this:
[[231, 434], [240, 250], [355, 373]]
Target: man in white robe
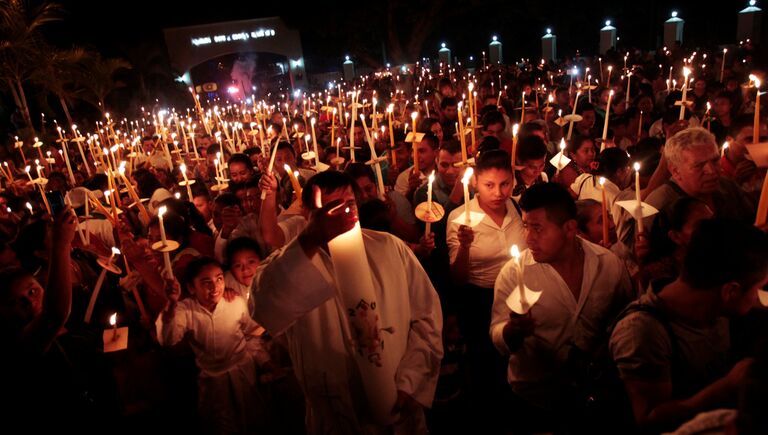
[[296, 296]]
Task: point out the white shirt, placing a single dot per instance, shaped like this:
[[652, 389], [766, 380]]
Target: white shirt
[[217, 338], [490, 247], [584, 188], [561, 320], [292, 227], [296, 296], [401, 184]]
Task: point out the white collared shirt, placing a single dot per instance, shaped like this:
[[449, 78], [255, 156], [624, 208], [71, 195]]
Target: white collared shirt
[[561, 321], [490, 248]]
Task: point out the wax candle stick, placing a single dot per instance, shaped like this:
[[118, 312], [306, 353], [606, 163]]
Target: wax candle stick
[[686, 73], [519, 274], [604, 210], [607, 117], [465, 180], [639, 216], [431, 179], [294, 180]]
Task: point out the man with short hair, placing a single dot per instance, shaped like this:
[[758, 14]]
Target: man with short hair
[[671, 346], [426, 151], [583, 286]]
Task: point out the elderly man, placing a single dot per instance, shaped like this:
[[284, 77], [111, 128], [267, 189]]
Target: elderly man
[[694, 163]]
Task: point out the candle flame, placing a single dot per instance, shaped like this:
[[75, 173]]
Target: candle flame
[[726, 145], [113, 319], [432, 177], [515, 129], [636, 166], [162, 210], [562, 144], [467, 175], [182, 168], [29, 206], [116, 251], [602, 181], [515, 251], [287, 168]]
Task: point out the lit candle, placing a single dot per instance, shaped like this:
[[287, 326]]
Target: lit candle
[[722, 67], [756, 126], [722, 150], [629, 77], [604, 206], [429, 203], [515, 251], [160, 214], [607, 116], [610, 70], [314, 141], [183, 169], [573, 113], [639, 216], [686, 73], [515, 129], [113, 323], [465, 180], [461, 136], [294, 177]]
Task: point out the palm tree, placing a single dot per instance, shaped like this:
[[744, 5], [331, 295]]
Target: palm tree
[[57, 74], [21, 47], [97, 77]]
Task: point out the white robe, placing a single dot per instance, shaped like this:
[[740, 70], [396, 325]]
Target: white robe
[[295, 295], [227, 354]]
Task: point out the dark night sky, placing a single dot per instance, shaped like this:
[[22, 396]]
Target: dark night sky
[[115, 28]]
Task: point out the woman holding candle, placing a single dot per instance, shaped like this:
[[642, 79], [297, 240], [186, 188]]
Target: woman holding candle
[[476, 256]]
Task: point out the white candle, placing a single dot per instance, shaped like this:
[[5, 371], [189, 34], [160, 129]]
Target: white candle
[[607, 116], [183, 169], [515, 251], [686, 73], [722, 67], [573, 112], [639, 216], [429, 202], [465, 180], [160, 214]]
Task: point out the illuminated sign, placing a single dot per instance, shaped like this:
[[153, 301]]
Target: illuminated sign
[[240, 36]]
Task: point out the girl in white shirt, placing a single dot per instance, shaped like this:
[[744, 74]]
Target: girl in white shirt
[[477, 255]]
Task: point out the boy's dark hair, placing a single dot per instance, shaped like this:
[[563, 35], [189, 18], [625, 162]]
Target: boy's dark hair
[[553, 198], [492, 117], [328, 181], [194, 268], [448, 102], [725, 250], [241, 244]]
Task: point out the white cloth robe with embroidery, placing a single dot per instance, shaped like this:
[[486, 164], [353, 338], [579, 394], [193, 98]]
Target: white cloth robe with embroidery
[[295, 295]]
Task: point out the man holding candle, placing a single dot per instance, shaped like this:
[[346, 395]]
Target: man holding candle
[[426, 151], [582, 287], [694, 162], [304, 308]]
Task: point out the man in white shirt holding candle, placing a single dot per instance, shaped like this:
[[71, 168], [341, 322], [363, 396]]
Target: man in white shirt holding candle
[[583, 287]]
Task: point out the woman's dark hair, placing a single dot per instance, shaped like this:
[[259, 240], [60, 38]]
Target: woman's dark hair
[[610, 161], [531, 147], [494, 159], [194, 268], [240, 158], [8, 277], [146, 182], [241, 244]]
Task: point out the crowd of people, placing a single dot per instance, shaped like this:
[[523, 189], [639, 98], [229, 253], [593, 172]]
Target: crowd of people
[[639, 324]]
